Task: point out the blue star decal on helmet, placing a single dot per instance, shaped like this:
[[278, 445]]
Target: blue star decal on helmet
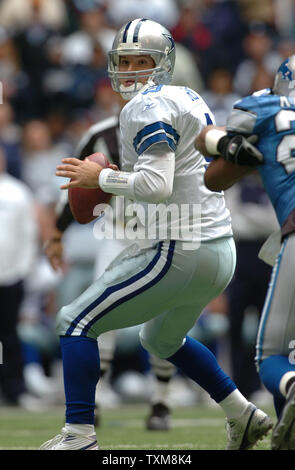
[[171, 40], [285, 71]]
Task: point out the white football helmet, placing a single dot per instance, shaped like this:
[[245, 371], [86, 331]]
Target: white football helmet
[[142, 37], [284, 83]]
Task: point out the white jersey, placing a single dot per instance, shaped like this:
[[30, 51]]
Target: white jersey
[[175, 116]]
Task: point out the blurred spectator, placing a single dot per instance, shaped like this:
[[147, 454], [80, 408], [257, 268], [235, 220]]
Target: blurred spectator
[[40, 158], [193, 34], [86, 76], [213, 32], [105, 104], [261, 79], [58, 122], [31, 43], [260, 53], [220, 96], [263, 11], [17, 15], [57, 79], [18, 247], [285, 46], [186, 72], [14, 80], [284, 18], [163, 11], [36, 331], [10, 140], [78, 47], [228, 28]]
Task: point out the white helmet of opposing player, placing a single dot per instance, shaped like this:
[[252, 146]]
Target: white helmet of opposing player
[[142, 37], [284, 83]]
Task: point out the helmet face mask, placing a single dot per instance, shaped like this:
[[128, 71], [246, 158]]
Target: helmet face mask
[[284, 82], [138, 38]]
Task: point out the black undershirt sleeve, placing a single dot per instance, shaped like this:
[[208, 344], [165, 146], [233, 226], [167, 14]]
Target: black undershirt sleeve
[[65, 218]]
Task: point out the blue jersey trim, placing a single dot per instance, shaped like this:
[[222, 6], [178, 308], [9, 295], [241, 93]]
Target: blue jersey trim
[[208, 119]]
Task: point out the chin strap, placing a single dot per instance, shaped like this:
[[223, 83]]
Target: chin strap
[[128, 92]]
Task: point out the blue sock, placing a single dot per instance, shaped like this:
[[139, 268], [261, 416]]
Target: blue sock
[[198, 363], [81, 373], [271, 370], [30, 353]]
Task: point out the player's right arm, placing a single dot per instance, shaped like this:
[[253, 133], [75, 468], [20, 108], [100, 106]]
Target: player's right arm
[[221, 174], [232, 149]]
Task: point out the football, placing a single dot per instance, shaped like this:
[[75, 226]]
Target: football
[[83, 200]]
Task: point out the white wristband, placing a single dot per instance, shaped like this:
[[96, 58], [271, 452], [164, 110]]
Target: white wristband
[[212, 138], [116, 182]]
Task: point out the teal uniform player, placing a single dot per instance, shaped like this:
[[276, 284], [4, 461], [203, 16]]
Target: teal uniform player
[[270, 116]]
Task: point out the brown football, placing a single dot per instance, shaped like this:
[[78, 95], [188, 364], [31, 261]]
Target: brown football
[[83, 200]]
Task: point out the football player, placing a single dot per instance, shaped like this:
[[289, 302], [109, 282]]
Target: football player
[[166, 284], [268, 116], [105, 137]]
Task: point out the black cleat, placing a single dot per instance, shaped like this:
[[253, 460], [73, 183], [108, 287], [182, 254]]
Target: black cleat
[[159, 418]]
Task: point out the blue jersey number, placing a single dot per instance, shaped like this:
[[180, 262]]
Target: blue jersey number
[[193, 96], [152, 89], [286, 148]]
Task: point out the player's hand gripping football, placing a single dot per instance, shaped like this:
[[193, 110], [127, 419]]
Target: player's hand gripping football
[[82, 173], [240, 150]]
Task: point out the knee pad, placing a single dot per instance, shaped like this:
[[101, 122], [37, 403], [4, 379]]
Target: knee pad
[[158, 347], [63, 321]]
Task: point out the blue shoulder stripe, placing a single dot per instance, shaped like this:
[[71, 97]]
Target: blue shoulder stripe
[[153, 139], [156, 126]]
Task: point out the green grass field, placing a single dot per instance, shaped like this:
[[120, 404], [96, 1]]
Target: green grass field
[[193, 428]]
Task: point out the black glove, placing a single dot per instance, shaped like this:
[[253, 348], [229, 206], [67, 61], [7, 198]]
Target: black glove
[[239, 150]]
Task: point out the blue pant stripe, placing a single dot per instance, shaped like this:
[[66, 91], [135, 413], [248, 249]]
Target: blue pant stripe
[[136, 292], [267, 306], [121, 285]]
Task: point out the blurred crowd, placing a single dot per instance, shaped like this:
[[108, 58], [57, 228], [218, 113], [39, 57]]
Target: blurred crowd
[[54, 85]]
